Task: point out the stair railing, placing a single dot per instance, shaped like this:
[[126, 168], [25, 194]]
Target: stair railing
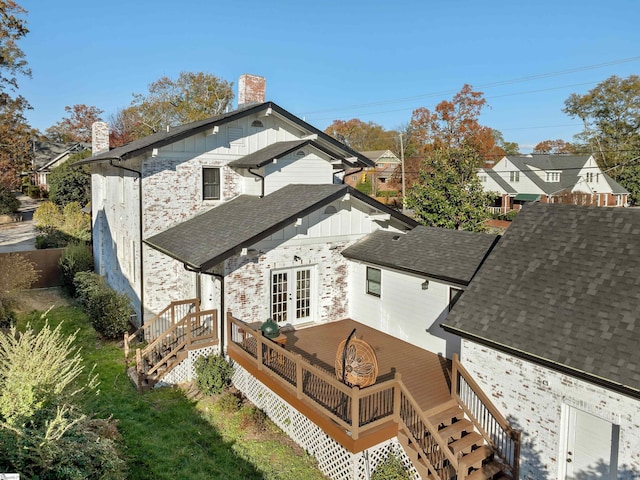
[[153, 328], [488, 420]]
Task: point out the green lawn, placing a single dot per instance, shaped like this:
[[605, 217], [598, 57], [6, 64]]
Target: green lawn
[[167, 436]]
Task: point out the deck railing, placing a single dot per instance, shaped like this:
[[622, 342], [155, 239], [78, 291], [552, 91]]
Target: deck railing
[[487, 419], [163, 321], [359, 410]]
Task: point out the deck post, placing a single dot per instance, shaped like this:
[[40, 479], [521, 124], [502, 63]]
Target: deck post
[[454, 375], [396, 397], [188, 327], [299, 375], [259, 358], [355, 412], [173, 314]]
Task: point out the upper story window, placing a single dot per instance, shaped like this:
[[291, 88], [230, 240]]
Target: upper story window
[[483, 178], [592, 177], [257, 124], [210, 183], [374, 281], [514, 176], [553, 176]]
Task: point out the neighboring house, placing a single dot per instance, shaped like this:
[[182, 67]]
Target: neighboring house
[[50, 155], [215, 226], [573, 179], [385, 162], [550, 326]]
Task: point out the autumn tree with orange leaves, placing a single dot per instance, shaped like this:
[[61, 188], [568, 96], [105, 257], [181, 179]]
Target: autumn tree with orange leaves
[[555, 147], [76, 126], [362, 136]]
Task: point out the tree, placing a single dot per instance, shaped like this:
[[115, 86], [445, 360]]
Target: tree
[[362, 136], [453, 125], [554, 147], [191, 97], [125, 125], [610, 113], [69, 183], [629, 178], [76, 126], [449, 193], [15, 134]]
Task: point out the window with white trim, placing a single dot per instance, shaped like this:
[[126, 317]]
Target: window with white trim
[[514, 176], [553, 176], [374, 281], [210, 183]]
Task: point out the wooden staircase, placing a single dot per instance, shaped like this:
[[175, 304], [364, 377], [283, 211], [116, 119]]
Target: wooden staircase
[[166, 340], [451, 441]]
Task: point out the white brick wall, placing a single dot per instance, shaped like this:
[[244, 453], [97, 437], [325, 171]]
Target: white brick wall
[[533, 396]]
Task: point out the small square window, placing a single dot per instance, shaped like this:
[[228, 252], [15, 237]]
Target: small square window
[[374, 281], [211, 183]]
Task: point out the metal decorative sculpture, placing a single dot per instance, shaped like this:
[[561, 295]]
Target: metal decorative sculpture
[[356, 362]]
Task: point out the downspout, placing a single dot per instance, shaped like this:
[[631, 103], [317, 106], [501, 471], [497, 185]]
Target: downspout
[[222, 306], [261, 177], [139, 174]]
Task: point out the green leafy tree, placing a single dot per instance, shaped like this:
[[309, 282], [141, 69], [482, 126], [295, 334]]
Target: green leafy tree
[[629, 178], [192, 96], [449, 193], [69, 183], [610, 113]]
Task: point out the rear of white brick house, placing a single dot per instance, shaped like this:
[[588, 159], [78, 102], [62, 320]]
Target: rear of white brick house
[[539, 400]]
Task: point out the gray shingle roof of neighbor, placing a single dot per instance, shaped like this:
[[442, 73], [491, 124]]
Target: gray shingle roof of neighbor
[[562, 288], [161, 139], [211, 237], [449, 255], [499, 180]]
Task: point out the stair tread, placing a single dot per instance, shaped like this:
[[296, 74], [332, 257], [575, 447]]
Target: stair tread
[[485, 472], [476, 457], [456, 429], [444, 417], [466, 442]]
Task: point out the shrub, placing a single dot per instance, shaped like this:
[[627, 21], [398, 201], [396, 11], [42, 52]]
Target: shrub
[[213, 374], [109, 310], [48, 217], [43, 432], [8, 201], [76, 223], [7, 317], [16, 273], [390, 469], [76, 258]]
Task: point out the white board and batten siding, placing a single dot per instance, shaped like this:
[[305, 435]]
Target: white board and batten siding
[[293, 169], [403, 309]]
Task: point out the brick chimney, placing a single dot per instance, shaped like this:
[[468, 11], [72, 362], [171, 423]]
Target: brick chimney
[[99, 137], [251, 90]]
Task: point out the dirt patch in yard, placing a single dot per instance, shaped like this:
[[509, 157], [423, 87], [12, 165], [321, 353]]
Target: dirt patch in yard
[[41, 299]]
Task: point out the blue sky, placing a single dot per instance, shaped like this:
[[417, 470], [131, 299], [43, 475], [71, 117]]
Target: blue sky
[[372, 60]]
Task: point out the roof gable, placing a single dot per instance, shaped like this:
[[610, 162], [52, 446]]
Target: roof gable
[[158, 140], [570, 296]]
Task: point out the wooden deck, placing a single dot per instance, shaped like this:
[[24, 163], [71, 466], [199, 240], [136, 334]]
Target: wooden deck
[[425, 374]]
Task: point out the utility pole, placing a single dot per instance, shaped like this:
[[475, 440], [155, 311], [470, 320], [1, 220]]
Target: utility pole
[[402, 172]]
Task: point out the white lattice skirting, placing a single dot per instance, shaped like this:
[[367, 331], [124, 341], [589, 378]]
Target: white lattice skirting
[[185, 370], [334, 460]]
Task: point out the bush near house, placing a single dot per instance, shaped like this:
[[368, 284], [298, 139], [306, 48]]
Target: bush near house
[[76, 258], [108, 310], [59, 227], [16, 273], [213, 374], [390, 469]]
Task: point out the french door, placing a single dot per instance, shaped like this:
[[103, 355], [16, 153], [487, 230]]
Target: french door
[[291, 295]]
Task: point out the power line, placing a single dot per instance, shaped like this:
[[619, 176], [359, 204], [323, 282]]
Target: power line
[[485, 85]]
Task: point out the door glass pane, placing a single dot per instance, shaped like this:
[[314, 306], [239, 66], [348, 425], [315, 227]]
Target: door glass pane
[[279, 297], [303, 294]]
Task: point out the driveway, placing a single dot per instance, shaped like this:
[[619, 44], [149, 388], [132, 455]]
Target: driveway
[[20, 236]]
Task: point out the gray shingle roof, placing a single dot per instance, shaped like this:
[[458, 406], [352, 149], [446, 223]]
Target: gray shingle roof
[[161, 139], [207, 239], [449, 255], [562, 287], [266, 155]]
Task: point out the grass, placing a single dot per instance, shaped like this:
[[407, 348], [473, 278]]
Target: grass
[[166, 435]]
